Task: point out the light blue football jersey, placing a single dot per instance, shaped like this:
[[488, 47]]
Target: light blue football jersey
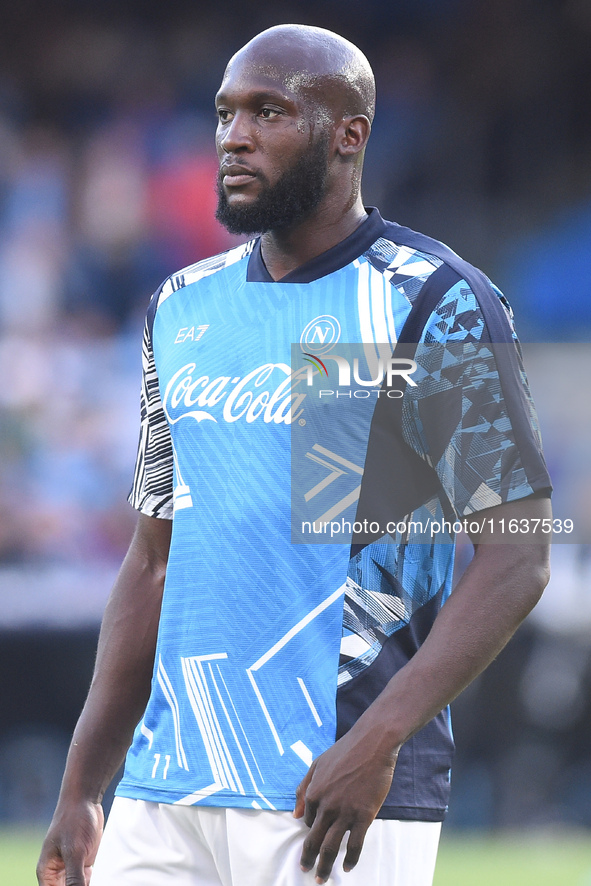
[[268, 649]]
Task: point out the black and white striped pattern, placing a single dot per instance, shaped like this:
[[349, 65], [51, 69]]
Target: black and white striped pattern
[[151, 492]]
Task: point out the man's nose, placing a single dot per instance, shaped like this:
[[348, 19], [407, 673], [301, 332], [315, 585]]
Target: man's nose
[[237, 134]]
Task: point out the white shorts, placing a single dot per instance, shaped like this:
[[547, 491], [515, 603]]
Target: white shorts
[[155, 844]]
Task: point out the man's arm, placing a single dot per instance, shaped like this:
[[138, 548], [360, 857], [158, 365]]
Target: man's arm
[[345, 786], [116, 701]]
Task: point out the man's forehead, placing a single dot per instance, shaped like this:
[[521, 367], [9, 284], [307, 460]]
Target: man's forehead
[[272, 75], [307, 65]]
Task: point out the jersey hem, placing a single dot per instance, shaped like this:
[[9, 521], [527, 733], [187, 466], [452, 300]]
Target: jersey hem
[[411, 813], [281, 803]]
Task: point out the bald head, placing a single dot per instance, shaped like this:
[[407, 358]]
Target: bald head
[[324, 69], [294, 115]]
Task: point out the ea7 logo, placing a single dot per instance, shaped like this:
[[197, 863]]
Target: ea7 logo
[[190, 333]]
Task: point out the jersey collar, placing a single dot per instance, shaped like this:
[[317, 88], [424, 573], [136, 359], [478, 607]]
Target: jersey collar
[[327, 262]]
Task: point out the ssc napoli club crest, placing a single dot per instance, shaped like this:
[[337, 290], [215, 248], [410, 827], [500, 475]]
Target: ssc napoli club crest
[[321, 334]]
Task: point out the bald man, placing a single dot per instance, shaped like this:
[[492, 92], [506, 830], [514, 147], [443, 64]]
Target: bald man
[[283, 700]]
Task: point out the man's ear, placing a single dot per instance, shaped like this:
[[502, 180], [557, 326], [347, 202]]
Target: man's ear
[[352, 135]]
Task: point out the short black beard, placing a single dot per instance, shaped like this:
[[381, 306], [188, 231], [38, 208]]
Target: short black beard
[[293, 197]]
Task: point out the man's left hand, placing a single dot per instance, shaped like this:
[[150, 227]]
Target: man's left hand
[[343, 791]]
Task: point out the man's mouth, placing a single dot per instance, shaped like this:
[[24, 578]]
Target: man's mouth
[[234, 176]]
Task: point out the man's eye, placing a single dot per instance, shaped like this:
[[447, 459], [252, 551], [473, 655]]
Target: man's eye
[[268, 113], [223, 115]]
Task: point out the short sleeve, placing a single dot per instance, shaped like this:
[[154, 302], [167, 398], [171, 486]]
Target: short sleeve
[[471, 415], [152, 489]]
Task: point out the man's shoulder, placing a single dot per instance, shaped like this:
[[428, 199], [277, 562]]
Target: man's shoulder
[[413, 254], [204, 268], [412, 246]]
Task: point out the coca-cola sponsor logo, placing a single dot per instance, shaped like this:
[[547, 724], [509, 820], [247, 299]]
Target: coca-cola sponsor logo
[[267, 393]]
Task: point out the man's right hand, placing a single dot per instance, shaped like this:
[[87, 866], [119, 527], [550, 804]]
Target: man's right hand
[[70, 847], [116, 702]]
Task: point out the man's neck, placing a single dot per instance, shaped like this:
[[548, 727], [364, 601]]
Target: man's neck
[[284, 251]]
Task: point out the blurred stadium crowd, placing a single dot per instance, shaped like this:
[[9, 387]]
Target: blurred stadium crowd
[[107, 169]]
